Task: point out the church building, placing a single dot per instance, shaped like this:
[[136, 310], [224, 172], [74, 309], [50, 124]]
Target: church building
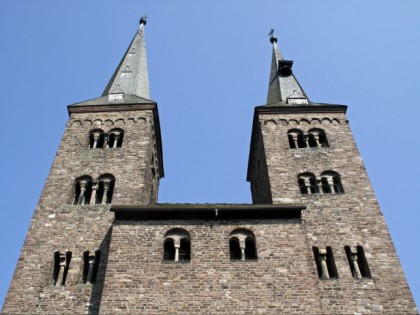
[[313, 241]]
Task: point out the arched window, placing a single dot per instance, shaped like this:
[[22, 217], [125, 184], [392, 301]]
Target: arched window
[[317, 138], [307, 183], [296, 139], [177, 246], [115, 138], [331, 183], [82, 190], [90, 266], [242, 245], [96, 139], [104, 189]]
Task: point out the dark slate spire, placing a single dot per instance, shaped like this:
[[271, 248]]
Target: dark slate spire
[[283, 88], [130, 82], [131, 76]]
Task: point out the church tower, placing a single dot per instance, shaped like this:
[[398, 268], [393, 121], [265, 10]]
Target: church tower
[[110, 153], [304, 152], [312, 242]]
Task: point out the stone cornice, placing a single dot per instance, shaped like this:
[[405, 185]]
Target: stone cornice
[[207, 212], [290, 109], [72, 109]]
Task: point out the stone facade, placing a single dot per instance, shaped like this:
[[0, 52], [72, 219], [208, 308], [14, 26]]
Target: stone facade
[[210, 283], [309, 245], [57, 225], [350, 219]]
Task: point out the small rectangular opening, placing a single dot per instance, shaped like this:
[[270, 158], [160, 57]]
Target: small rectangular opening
[[126, 74]]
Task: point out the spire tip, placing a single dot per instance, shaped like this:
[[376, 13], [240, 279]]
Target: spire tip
[[273, 39]]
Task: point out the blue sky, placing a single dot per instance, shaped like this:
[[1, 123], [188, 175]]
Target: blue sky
[[208, 69]]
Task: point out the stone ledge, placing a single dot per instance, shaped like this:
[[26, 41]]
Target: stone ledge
[[207, 212]]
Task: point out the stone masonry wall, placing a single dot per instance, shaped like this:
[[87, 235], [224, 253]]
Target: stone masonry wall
[[349, 219], [134, 279], [282, 281], [57, 225]]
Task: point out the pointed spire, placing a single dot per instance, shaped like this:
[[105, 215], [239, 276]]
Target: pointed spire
[[283, 87], [131, 76]]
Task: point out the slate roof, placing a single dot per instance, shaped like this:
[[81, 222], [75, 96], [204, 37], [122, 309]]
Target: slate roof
[[130, 80], [131, 75], [281, 87]]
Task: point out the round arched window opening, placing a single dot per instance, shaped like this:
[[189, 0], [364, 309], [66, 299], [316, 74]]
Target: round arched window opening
[[177, 246], [242, 245]]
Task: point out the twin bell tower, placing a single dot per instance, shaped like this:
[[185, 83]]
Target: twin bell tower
[[313, 241]]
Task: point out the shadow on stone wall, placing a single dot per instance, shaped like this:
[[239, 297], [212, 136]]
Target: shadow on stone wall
[[96, 297]]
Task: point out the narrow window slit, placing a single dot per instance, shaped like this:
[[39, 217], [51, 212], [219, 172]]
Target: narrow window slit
[[357, 262], [61, 267], [325, 263], [90, 266]]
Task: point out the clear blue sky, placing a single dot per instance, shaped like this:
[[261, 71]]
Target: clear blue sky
[[208, 67]]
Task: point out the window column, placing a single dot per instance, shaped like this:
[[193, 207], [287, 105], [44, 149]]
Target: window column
[[62, 268], [116, 138], [177, 246], [331, 185], [316, 137], [307, 182], [323, 262], [306, 139], [83, 186], [93, 196], [95, 140], [106, 183], [242, 247]]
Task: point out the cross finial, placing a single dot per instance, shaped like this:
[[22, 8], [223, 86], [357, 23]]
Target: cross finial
[[273, 39], [143, 19]]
